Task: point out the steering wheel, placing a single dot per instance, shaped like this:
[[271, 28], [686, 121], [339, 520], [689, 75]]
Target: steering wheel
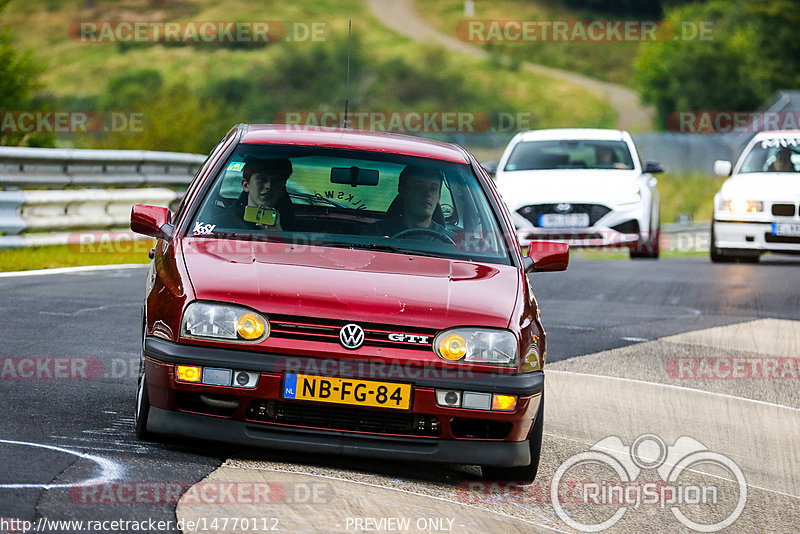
[[425, 232]]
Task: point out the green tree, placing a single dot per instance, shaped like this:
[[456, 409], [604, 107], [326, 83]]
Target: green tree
[[173, 119], [18, 74], [750, 52]]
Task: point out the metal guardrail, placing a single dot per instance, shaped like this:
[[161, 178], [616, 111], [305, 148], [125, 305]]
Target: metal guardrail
[[45, 189], [60, 167]]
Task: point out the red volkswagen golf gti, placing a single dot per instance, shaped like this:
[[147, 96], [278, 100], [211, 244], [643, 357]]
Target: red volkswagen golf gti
[[345, 292]]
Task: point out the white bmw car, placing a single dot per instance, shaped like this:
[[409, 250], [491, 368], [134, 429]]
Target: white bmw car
[[587, 187], [756, 210]]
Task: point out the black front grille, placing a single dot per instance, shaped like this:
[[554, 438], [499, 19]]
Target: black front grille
[[788, 239], [783, 210], [334, 417], [327, 330], [480, 428], [628, 227], [563, 235], [222, 405], [595, 211]]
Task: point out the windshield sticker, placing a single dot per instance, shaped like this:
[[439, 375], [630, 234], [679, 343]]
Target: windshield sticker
[[347, 198], [236, 166], [783, 141], [201, 228]]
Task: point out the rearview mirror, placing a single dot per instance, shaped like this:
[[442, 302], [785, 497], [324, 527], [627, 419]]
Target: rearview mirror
[[354, 176], [722, 167], [152, 221], [547, 256], [490, 167]]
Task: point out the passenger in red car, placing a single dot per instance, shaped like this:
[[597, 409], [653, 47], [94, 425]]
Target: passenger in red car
[[264, 203], [416, 204]]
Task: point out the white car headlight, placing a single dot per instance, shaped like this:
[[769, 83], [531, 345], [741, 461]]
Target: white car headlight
[[740, 205], [633, 197], [477, 345], [207, 320]]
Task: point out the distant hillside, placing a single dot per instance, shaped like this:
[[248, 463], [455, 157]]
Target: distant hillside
[[190, 93]]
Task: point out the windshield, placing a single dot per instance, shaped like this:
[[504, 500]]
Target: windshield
[[352, 199], [773, 155], [569, 154]]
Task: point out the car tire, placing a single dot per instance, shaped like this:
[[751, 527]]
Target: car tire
[[142, 408], [717, 256], [647, 248], [526, 473], [714, 252]]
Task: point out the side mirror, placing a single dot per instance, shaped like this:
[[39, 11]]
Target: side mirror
[[546, 256], [653, 167], [490, 167], [152, 221], [722, 167]]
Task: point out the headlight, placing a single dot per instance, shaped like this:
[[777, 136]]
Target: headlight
[[739, 205], [633, 197], [474, 345], [223, 321]]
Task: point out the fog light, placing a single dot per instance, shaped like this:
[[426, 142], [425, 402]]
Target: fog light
[[449, 398], [246, 379], [188, 373], [217, 377], [504, 403], [476, 401]]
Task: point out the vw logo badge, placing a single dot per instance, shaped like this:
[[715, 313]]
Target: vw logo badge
[[351, 336], [563, 207]]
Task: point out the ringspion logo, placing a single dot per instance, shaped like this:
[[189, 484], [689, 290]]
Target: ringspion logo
[[677, 488]]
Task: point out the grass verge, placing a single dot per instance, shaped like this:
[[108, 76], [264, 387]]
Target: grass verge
[[691, 194], [53, 256]]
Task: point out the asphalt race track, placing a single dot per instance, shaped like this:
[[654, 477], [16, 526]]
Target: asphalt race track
[[645, 353]]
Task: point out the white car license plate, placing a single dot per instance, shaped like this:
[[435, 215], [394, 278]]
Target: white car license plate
[[789, 229], [564, 220]]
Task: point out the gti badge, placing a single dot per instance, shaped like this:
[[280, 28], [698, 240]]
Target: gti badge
[[563, 207], [408, 338], [351, 336]]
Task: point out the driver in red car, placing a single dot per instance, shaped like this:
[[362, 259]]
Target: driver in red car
[[416, 204]]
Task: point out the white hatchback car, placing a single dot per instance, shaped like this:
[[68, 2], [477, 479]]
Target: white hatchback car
[[756, 210], [587, 187]]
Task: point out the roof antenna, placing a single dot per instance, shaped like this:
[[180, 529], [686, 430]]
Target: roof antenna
[[345, 122]]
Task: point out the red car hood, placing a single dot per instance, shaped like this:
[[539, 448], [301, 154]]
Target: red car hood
[[351, 285]]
